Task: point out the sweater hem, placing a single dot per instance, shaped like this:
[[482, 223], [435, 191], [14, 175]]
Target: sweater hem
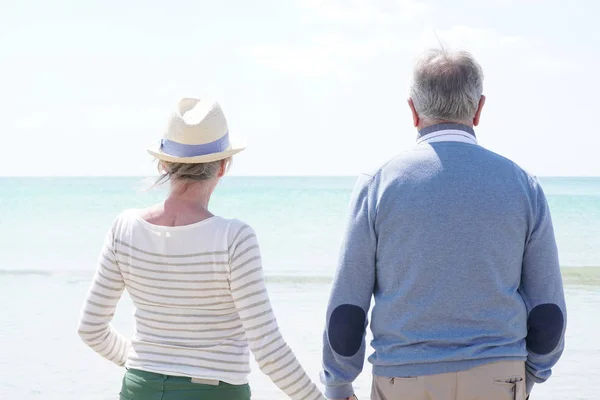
[[413, 370]]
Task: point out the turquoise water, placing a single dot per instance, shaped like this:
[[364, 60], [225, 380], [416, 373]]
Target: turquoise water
[[299, 220], [51, 230]]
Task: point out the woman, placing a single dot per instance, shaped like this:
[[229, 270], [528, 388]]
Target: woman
[[195, 279]]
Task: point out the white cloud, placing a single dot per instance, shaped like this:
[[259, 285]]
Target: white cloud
[[363, 12], [552, 65], [30, 122], [469, 38], [354, 31], [304, 60], [508, 3], [357, 31], [323, 55], [489, 45], [338, 54]]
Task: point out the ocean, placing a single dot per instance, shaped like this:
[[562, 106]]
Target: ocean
[[51, 231]]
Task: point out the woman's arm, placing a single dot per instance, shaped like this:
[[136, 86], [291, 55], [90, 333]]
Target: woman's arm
[[99, 308], [249, 292]]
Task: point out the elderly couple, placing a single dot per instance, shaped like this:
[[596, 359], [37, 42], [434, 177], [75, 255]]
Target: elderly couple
[[454, 242]]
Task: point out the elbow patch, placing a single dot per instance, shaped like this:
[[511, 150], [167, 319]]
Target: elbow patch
[[346, 329], [545, 326]]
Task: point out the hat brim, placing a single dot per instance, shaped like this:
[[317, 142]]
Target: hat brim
[[236, 146]]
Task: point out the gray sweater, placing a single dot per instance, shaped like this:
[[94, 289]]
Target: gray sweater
[[455, 243]]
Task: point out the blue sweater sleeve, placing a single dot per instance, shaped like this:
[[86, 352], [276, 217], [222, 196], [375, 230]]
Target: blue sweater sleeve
[[542, 291], [350, 299]]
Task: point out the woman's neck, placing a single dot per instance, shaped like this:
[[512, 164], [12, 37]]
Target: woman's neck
[[186, 204], [191, 194]]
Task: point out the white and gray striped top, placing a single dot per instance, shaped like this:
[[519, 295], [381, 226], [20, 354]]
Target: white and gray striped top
[[200, 300]]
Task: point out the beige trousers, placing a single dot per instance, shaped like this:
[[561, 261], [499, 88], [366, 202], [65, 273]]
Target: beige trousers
[[503, 380]]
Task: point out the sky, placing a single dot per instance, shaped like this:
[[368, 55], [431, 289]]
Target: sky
[[316, 87]]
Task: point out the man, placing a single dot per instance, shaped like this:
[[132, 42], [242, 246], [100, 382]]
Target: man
[[456, 245]]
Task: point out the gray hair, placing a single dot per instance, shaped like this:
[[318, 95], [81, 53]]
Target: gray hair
[[188, 172], [447, 86]]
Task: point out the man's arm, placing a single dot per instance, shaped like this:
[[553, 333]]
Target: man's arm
[[350, 299], [542, 291]]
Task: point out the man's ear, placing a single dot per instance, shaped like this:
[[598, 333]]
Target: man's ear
[[413, 110], [478, 112]]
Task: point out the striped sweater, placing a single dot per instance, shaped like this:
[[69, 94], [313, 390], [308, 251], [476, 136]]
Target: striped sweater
[[200, 302]]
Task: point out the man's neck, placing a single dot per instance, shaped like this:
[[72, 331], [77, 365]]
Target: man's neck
[[447, 130], [424, 123]]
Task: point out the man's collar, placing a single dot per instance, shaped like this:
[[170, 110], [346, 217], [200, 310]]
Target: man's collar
[[447, 133]]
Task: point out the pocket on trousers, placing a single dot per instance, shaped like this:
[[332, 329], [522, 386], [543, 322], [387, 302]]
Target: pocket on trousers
[[514, 386], [401, 379]]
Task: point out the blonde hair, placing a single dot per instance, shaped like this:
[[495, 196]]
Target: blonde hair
[[171, 171]]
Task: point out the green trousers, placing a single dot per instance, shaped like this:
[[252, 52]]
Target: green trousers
[[142, 385]]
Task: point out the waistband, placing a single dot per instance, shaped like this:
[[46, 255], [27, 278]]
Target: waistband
[[152, 376]]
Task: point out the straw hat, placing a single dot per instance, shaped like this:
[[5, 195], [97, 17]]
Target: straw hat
[[197, 133]]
